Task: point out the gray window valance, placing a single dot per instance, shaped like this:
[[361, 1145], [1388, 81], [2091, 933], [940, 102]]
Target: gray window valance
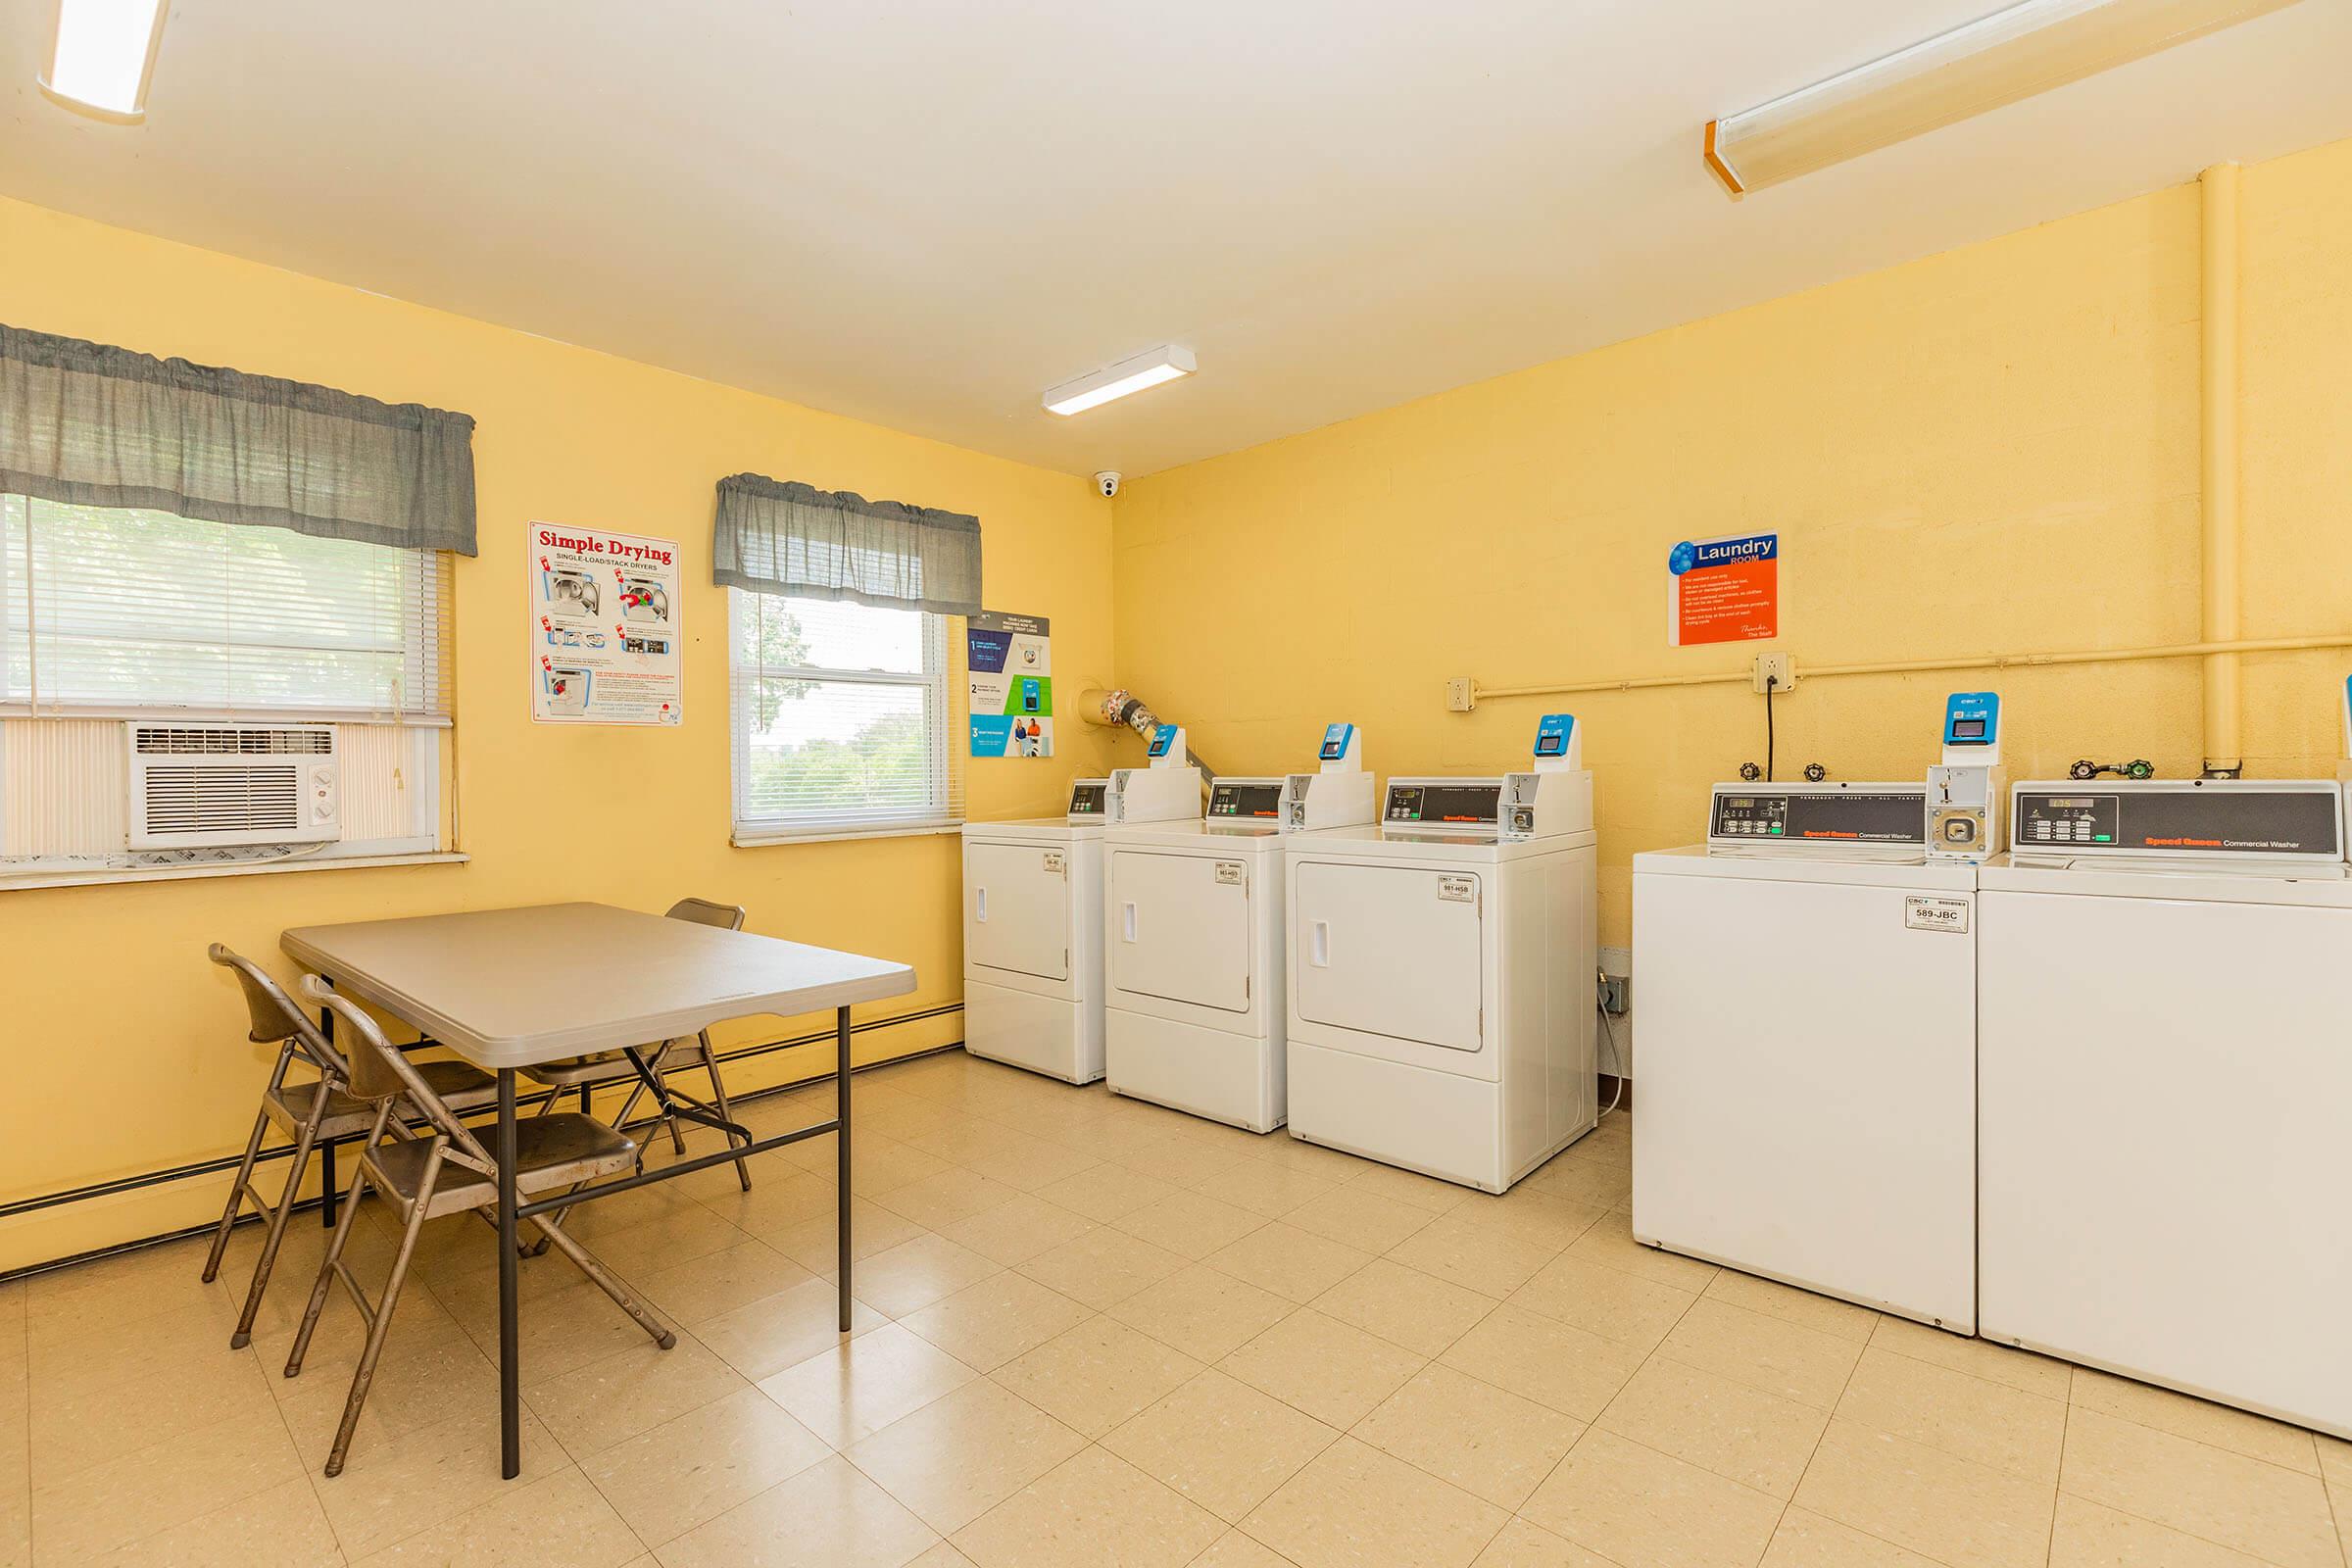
[[91, 425], [790, 538]]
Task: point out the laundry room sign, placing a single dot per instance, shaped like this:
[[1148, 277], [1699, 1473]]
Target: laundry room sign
[[605, 617], [1010, 658], [1723, 590]]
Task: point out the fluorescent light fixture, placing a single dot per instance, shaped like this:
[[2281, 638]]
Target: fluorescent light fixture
[[1163, 364], [2014, 53], [101, 55]]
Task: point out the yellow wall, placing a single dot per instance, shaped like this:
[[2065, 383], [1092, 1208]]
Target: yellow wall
[[124, 1048], [1994, 450]]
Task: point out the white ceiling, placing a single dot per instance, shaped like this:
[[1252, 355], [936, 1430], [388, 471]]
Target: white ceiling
[[925, 214]]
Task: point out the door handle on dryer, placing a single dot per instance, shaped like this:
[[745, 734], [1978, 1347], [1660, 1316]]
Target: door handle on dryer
[[980, 905], [1318, 943], [1127, 922]]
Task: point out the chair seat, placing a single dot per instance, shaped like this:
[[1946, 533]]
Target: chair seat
[[460, 1086], [550, 1151]]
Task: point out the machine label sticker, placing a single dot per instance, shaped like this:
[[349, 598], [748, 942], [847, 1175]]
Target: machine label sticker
[[1723, 590], [1935, 914], [1229, 873], [1010, 658], [606, 615], [1053, 863], [1457, 889]]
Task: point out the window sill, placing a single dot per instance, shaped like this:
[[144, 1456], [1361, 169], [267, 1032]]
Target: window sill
[[183, 873], [755, 839]]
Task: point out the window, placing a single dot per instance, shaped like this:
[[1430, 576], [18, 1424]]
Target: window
[[840, 717], [109, 614], [114, 611]]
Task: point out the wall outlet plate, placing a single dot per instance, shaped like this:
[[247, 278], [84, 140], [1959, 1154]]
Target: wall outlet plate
[[1461, 696], [1777, 671]]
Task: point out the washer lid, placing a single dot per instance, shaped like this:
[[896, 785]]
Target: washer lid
[[1817, 867], [2151, 877]]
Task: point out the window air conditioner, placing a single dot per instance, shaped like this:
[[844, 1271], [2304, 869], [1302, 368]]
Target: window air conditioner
[[205, 785]]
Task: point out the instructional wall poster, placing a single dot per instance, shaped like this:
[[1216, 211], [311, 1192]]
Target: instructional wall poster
[[605, 627], [1725, 589], [1011, 662]]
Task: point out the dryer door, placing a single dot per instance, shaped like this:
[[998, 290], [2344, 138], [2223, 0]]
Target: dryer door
[[1017, 909], [1180, 927], [1391, 950]]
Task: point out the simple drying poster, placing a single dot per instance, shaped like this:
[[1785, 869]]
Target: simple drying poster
[[1725, 589], [604, 618], [1011, 662]]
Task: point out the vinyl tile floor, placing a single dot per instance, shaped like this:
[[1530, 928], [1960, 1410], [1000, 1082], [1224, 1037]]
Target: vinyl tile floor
[[1096, 1332]]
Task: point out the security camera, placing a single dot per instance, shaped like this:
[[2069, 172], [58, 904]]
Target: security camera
[[1107, 481]]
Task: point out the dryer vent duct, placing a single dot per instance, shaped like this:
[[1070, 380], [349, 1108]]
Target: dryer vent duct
[[1121, 709]]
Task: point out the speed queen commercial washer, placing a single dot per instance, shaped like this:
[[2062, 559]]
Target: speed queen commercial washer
[[2166, 1047], [1807, 1103]]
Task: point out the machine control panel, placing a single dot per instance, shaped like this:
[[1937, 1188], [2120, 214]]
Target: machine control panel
[[2188, 817], [1470, 803], [1087, 799], [2055, 819], [1245, 800], [1746, 816]]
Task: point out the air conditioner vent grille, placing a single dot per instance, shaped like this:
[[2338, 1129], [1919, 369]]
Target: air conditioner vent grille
[[212, 801], [160, 740]]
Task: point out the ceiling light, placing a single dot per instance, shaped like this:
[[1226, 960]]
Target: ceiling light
[[1163, 364], [101, 55], [2012, 54]]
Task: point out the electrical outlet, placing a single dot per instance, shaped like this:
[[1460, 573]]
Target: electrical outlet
[[1460, 696], [1613, 995], [1776, 671]]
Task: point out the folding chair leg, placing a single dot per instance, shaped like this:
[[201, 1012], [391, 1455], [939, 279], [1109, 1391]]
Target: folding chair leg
[[327, 1184], [606, 1282], [278, 1217], [379, 1327], [718, 1094], [334, 1256], [236, 1197]]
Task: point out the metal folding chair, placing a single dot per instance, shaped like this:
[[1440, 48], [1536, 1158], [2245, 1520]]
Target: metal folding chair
[[446, 1172], [314, 1114], [589, 1073]]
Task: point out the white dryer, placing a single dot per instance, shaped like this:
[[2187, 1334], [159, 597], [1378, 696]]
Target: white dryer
[[1033, 918], [1441, 968], [1192, 940], [2166, 1145], [1806, 1100]]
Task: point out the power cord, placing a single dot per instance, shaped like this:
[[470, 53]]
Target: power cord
[[1771, 684], [1609, 1033]]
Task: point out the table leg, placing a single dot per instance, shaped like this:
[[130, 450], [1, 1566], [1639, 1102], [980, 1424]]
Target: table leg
[[510, 1367], [841, 1114]]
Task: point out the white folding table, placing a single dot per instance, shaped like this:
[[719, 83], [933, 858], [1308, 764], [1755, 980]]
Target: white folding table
[[515, 988]]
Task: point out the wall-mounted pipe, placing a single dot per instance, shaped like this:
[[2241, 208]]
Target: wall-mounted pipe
[[2218, 468], [1909, 666], [1120, 709]]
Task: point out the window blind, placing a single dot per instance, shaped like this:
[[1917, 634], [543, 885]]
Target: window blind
[[108, 611], [842, 716]]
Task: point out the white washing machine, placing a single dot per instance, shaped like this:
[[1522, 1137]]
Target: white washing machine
[[1033, 916], [1192, 940], [1441, 968], [1807, 1099], [2166, 1117]]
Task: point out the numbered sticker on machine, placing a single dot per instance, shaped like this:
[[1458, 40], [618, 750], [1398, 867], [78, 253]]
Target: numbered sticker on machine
[[1229, 873], [1935, 914], [1459, 889], [1054, 861]]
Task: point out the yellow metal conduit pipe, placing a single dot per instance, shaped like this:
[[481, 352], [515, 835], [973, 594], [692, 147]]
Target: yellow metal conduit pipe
[[1912, 666], [2218, 621]]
